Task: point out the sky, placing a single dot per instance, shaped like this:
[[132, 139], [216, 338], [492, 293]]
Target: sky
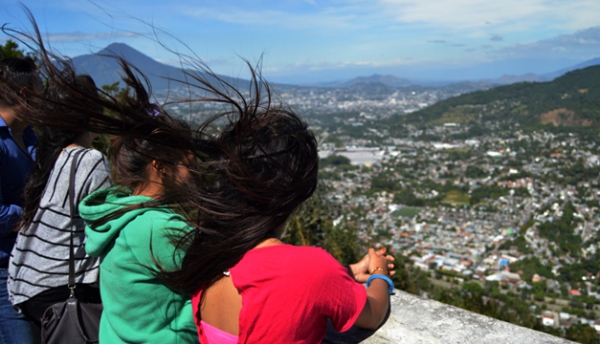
[[310, 41]]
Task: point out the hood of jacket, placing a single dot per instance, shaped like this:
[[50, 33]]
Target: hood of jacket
[[102, 203]]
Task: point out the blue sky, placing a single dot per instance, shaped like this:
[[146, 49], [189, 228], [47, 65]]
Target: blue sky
[[314, 41]]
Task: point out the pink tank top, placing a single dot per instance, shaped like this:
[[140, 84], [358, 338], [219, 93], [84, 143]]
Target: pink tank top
[[216, 336]]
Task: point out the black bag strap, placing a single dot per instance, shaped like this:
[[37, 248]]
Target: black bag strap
[[71, 283]]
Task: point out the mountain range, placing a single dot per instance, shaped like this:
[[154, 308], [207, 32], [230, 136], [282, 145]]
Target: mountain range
[[105, 69], [393, 81]]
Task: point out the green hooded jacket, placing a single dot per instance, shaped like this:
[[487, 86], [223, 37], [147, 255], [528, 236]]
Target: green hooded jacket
[[138, 306]]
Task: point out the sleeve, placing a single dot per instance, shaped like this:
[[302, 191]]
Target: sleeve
[[97, 172], [9, 215], [341, 298]]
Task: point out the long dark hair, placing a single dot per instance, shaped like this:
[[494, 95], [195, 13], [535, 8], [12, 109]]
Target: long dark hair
[[52, 140], [262, 166], [246, 178], [17, 74]]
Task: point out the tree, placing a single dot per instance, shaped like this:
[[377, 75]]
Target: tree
[[475, 172], [10, 49], [312, 225], [103, 142], [582, 334]]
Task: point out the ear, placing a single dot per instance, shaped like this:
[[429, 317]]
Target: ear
[[159, 169]]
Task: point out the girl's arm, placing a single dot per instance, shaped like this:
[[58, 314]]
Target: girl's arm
[[378, 300]]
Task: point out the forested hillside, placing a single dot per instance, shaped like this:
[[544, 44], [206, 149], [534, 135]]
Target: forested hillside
[[571, 100]]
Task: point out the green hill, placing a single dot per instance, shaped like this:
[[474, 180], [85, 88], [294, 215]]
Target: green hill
[[571, 100]]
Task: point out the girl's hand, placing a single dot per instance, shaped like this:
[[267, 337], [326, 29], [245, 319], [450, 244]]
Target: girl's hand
[[374, 262]]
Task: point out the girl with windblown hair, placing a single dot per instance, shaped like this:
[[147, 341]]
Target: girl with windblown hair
[[48, 222], [247, 285]]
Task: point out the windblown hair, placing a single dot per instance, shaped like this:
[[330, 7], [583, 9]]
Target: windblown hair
[[144, 131], [262, 166], [52, 140], [15, 75], [247, 178]]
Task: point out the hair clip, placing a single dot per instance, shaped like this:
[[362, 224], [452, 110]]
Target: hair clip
[[153, 111]]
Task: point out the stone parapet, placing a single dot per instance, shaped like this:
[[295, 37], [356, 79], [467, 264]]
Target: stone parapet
[[415, 320]]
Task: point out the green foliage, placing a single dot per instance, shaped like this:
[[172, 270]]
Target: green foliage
[[530, 267], [488, 301], [10, 49], [516, 176], [578, 172], [459, 154], [102, 143], [582, 334], [561, 232], [407, 197], [334, 160], [519, 242], [407, 212], [383, 182], [576, 95], [475, 172], [114, 90], [312, 225], [574, 272], [408, 277], [456, 198], [526, 226], [487, 192], [521, 192]]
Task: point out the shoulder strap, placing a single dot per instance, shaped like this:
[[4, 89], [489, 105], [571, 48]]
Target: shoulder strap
[[72, 210]]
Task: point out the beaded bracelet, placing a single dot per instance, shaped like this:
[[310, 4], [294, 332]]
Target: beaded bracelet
[[383, 277]]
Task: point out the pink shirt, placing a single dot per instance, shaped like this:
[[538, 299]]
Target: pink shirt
[[288, 292]]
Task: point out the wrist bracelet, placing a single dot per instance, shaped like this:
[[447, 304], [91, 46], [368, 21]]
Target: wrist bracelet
[[379, 268], [383, 277]]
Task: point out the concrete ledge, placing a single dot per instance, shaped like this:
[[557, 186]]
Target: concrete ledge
[[417, 320]]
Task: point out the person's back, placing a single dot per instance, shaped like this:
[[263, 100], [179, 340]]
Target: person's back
[[46, 240], [50, 222], [138, 307], [288, 293]]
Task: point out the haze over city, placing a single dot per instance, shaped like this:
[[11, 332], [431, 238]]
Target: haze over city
[[311, 41]]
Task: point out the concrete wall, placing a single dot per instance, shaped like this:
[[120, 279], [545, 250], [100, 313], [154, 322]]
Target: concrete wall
[[416, 320]]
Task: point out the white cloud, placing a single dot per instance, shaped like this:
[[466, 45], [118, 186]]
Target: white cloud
[[326, 19], [473, 18], [473, 14], [580, 42], [81, 36], [321, 66], [178, 62]]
